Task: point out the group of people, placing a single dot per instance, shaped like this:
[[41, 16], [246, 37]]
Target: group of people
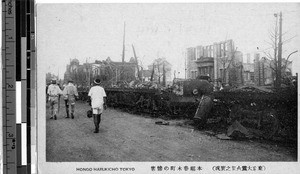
[[96, 94]]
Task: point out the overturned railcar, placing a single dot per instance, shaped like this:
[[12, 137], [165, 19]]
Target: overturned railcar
[[257, 109], [180, 100], [265, 112]]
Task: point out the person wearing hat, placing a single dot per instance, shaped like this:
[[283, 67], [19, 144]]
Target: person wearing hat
[[53, 92], [98, 102], [70, 94]]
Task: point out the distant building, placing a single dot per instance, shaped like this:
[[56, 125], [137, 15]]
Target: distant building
[[248, 69], [116, 71], [160, 65], [50, 77], [264, 70], [146, 75], [248, 73], [75, 71], [220, 61], [106, 70]]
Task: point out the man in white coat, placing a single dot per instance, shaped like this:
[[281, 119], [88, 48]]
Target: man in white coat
[[98, 102]]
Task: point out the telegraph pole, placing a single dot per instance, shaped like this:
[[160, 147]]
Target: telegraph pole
[[123, 57], [279, 51], [275, 52], [185, 65], [137, 65], [123, 53]]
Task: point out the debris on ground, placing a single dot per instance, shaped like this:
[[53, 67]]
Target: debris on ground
[[223, 137], [236, 130], [210, 133], [256, 89], [256, 133], [162, 122], [214, 120]]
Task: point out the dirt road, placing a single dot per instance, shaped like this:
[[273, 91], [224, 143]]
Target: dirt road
[[128, 137]]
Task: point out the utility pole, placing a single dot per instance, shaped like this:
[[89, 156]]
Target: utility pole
[[137, 65], [278, 78], [164, 74], [275, 52], [88, 69], [123, 53], [123, 57], [152, 73], [185, 65]]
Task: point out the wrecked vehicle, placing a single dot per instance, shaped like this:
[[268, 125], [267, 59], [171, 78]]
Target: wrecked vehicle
[[258, 110], [178, 100]]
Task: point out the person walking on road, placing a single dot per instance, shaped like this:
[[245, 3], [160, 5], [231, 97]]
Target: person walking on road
[[98, 102], [54, 93], [66, 101], [70, 94]]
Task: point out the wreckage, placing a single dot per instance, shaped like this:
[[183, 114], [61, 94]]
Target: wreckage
[[178, 100], [257, 110]]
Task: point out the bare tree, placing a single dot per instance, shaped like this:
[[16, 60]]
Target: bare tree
[[227, 61], [152, 73], [158, 62], [159, 70], [276, 64], [285, 64]]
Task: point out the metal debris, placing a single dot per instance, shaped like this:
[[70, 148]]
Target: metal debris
[[236, 130]]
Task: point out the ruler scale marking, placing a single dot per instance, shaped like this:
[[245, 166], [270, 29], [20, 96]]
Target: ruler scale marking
[[19, 104], [10, 132]]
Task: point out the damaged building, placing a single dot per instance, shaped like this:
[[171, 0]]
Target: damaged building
[[107, 71], [264, 70], [220, 61]]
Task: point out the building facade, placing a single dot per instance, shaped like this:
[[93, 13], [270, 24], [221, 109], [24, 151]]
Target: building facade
[[161, 67], [263, 74], [220, 61], [107, 71], [248, 68], [264, 70]]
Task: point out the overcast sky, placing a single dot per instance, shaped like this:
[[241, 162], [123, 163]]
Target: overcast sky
[[95, 31]]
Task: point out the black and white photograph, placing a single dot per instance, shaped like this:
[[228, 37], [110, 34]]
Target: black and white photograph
[[171, 85]]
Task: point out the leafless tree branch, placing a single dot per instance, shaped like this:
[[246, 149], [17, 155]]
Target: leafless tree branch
[[287, 59], [272, 36], [285, 33], [269, 43], [232, 57], [269, 55], [285, 41]]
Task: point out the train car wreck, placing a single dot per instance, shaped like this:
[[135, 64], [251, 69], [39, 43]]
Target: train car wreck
[[256, 109]]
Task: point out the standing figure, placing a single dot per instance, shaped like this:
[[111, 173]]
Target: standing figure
[[66, 101], [54, 93], [98, 102], [70, 94]]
